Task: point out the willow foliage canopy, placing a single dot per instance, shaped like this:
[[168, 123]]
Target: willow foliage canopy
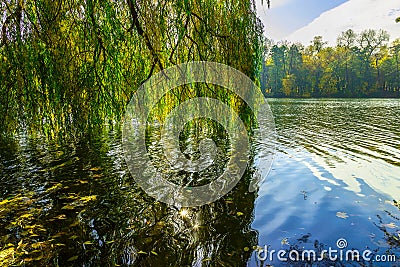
[[78, 62]]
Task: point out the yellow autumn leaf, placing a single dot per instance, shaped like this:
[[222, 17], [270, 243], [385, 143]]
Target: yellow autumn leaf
[[342, 215], [68, 207], [390, 225], [88, 198], [61, 217], [73, 258], [5, 201], [38, 258]]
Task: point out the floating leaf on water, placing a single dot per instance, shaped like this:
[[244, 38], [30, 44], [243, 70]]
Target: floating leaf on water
[[38, 258], [284, 241], [389, 202], [391, 225], [75, 223], [5, 201], [68, 207], [59, 234], [228, 201], [83, 182], [239, 213], [88, 198], [61, 217], [54, 187], [159, 225], [155, 253], [74, 258], [95, 169], [24, 233], [88, 243], [26, 215], [72, 196], [142, 252], [246, 249], [342, 215]]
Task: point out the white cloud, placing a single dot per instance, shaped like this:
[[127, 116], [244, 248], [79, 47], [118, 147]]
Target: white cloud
[[355, 14], [275, 28]]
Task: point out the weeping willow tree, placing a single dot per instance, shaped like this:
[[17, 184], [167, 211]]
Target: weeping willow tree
[[69, 66], [74, 62]]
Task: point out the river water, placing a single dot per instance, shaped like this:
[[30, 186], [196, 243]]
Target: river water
[[335, 175]]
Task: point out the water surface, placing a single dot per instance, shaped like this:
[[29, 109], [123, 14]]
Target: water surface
[[336, 174]]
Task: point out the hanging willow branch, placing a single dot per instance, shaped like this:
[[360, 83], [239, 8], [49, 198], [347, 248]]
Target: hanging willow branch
[[141, 32], [77, 61]]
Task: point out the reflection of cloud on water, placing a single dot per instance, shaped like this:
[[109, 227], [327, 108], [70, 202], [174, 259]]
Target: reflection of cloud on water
[[378, 174]]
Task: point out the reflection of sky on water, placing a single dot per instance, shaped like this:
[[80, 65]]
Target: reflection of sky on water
[[381, 176], [295, 201], [328, 165]]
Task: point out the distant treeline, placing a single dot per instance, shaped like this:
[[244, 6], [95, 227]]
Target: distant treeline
[[360, 65]]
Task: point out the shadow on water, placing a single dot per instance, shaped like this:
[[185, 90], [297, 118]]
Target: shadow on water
[[74, 203], [77, 204]]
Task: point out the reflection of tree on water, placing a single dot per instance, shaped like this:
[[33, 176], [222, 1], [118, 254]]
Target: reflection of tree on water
[[153, 234], [391, 230], [75, 202], [217, 234]]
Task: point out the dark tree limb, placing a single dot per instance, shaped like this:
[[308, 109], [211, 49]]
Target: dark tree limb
[[136, 24]]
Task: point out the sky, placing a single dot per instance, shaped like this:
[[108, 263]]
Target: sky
[[286, 16]]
